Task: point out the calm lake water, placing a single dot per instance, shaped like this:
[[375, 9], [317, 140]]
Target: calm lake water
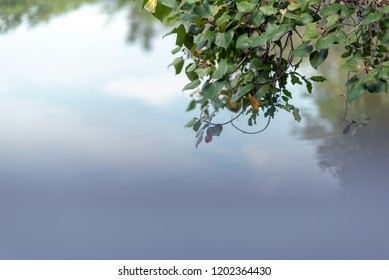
[[96, 163]]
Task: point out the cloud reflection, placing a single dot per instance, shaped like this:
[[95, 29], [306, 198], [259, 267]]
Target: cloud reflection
[[159, 90], [40, 139]]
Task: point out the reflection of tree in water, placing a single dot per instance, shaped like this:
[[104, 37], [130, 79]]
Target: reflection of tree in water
[[360, 162], [15, 12], [140, 22]]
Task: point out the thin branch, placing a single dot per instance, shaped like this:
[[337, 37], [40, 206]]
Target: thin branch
[[230, 121], [355, 28], [254, 132], [243, 60], [345, 112]]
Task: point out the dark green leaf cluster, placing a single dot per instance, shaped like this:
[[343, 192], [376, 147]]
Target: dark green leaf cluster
[[242, 55]]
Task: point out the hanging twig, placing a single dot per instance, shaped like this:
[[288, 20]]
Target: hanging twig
[[230, 121], [254, 132]]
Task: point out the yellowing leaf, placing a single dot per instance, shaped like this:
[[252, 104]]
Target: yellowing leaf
[[151, 5], [233, 106], [253, 102]]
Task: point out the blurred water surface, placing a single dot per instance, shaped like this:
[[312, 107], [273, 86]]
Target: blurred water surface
[[95, 162]]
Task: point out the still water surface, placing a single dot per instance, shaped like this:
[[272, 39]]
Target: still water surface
[[95, 162]]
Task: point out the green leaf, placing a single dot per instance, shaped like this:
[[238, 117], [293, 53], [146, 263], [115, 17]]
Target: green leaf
[[223, 19], [332, 20], [379, 86], [225, 67], [255, 40], [202, 11], [224, 39], [215, 130], [178, 63], [355, 91], [384, 22], [191, 106], [259, 19], [191, 17], [262, 91], [311, 26], [318, 57], [169, 3], [192, 76], [247, 77], [246, 6], [268, 10], [199, 139], [372, 18], [241, 92], [222, 69], [296, 114], [192, 85], [353, 64], [295, 79], [181, 35], [347, 11], [242, 42], [191, 122], [341, 37], [256, 63], [176, 50], [191, 67], [308, 84], [330, 9], [202, 72], [310, 35], [211, 90], [385, 38], [197, 125], [287, 93], [294, 17], [384, 73], [273, 30], [353, 81], [144, 3], [345, 54], [318, 79], [161, 12], [367, 77], [303, 50], [325, 42], [293, 6], [217, 74], [306, 18], [194, 31]]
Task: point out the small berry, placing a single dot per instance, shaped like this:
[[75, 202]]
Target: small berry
[[208, 138]]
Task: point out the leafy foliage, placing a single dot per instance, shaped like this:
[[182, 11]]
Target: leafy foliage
[[241, 55]]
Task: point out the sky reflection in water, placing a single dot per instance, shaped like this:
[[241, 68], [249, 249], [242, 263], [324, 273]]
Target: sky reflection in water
[[96, 163]]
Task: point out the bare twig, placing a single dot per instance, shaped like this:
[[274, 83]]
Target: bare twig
[[230, 121], [254, 132]]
